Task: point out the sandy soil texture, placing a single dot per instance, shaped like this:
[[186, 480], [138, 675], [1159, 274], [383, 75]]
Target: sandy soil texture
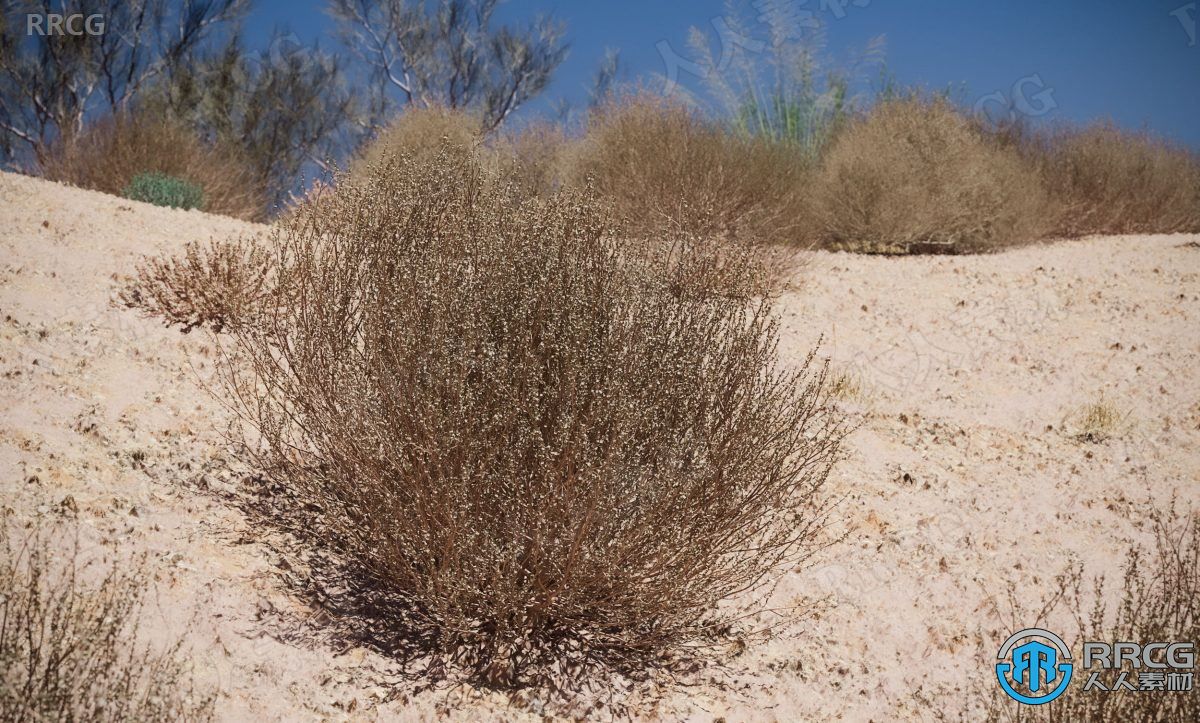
[[965, 476]]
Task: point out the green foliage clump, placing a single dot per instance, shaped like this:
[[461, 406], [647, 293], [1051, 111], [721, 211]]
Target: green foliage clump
[[163, 190]]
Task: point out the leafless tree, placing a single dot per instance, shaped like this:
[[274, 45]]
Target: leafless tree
[[50, 83], [447, 52], [283, 108]]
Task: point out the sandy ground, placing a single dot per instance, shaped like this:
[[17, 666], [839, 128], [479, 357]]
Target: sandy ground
[[963, 479]]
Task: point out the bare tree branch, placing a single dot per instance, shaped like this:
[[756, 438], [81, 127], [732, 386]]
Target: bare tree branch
[[446, 52]]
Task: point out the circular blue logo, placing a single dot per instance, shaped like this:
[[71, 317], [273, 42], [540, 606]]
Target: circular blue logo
[[1036, 661]]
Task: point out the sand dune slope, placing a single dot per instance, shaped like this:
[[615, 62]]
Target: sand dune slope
[[965, 476]]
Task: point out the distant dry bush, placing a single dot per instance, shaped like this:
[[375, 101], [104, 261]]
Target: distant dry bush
[[1109, 181], [916, 175], [69, 647], [110, 154], [422, 132], [1159, 602], [538, 158], [219, 285], [528, 451], [664, 168]]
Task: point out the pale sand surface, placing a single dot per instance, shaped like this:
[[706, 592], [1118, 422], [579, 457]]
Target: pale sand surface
[[960, 481]]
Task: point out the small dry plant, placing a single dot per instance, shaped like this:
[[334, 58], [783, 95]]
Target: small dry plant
[[526, 451], [218, 285], [111, 153], [1109, 181], [1159, 602], [69, 645], [666, 169], [1098, 422], [916, 175], [849, 386]]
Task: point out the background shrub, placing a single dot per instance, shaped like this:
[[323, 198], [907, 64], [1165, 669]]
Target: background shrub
[[163, 190], [539, 158], [528, 449], [1109, 181], [915, 175], [666, 169], [420, 132], [112, 153], [69, 648]]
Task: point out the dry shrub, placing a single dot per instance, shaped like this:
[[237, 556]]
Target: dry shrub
[[69, 648], [666, 169], [222, 284], [1159, 602], [537, 158], [916, 175], [420, 132], [1109, 181], [108, 155], [528, 451]]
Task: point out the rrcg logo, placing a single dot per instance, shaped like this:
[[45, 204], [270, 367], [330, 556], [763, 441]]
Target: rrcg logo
[[59, 24], [1033, 666], [1039, 669]]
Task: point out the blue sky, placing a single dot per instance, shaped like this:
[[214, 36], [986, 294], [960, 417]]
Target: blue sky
[[1136, 62]]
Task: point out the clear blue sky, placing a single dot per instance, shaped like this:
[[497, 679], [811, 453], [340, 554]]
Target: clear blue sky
[[1136, 62]]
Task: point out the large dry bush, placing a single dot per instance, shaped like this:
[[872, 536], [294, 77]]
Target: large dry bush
[[69, 642], [916, 175], [109, 154], [666, 169], [531, 450], [1109, 181]]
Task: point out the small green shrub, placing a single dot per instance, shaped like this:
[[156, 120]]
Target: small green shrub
[[163, 190]]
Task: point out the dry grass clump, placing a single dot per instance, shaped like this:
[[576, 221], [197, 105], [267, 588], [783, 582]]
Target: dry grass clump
[[916, 175], [218, 285], [666, 169], [1110, 181], [421, 132], [1098, 421], [1159, 602], [112, 152], [69, 647], [529, 452]]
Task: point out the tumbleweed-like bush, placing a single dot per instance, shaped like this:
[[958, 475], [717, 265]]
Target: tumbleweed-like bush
[[421, 132], [1106, 180], [917, 175], [69, 647], [534, 449], [221, 284], [665, 169]]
